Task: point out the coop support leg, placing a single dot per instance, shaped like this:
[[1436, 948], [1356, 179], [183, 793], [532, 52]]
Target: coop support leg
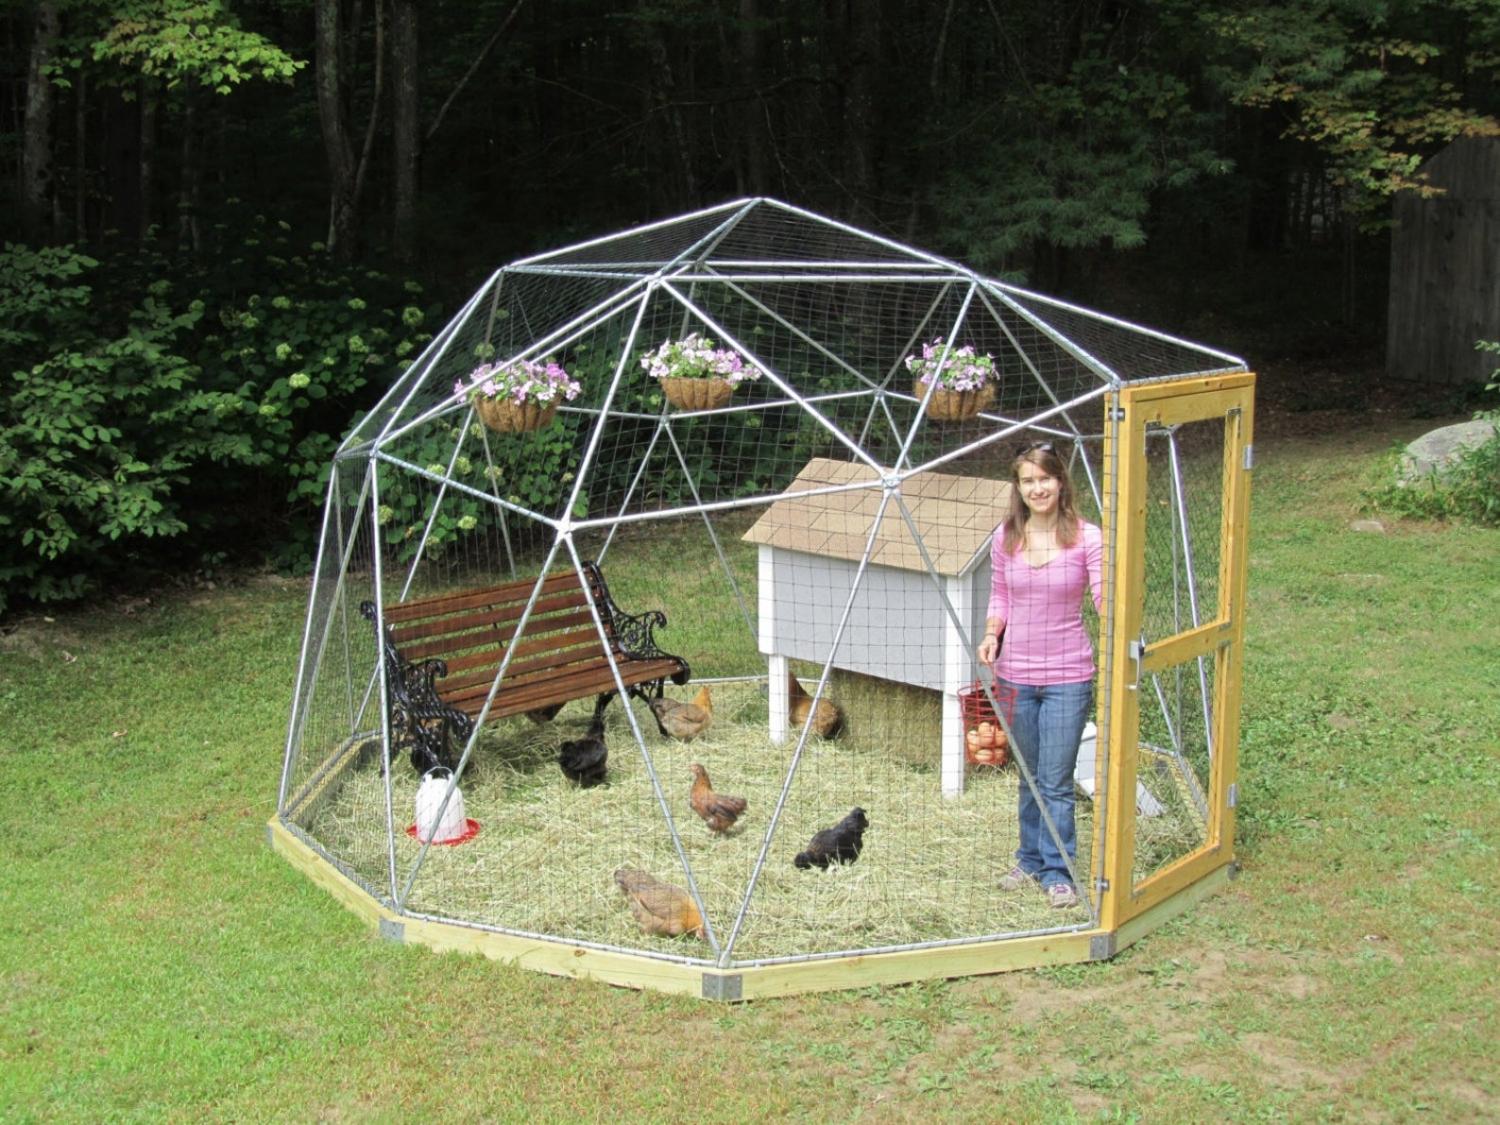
[[780, 697], [958, 673], [953, 746]]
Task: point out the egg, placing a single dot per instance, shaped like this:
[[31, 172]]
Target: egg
[[986, 734]]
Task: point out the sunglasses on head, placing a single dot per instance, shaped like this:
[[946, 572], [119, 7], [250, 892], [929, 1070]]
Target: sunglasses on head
[[1038, 447]]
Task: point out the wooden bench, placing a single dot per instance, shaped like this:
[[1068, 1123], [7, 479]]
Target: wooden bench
[[461, 638]]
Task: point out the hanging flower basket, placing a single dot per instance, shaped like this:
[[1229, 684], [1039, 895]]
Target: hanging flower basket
[[697, 394], [519, 396], [962, 381], [506, 416], [695, 374], [955, 406]]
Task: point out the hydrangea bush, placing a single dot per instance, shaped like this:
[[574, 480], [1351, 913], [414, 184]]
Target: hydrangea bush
[[953, 369], [698, 357]]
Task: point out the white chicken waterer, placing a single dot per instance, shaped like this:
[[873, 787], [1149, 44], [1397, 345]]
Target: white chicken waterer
[[1083, 775], [435, 823]]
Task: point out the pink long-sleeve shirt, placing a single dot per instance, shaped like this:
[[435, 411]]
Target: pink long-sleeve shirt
[[1042, 606]]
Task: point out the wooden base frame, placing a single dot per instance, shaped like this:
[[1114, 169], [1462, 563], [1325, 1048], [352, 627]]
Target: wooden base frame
[[751, 982]]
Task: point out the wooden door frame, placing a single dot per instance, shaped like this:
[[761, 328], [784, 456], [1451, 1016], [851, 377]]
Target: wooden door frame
[[1129, 656]]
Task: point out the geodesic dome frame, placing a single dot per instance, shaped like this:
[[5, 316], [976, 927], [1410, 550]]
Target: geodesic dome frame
[[424, 499]]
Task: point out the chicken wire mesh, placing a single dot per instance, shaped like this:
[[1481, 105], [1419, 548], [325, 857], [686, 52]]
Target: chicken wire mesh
[[1185, 473], [821, 532]]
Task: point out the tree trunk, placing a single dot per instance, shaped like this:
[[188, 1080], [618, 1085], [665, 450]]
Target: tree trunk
[[36, 142], [853, 33], [752, 116], [80, 159], [338, 150], [189, 234], [1349, 275], [663, 99], [864, 80], [833, 37], [407, 135], [935, 75], [145, 164]]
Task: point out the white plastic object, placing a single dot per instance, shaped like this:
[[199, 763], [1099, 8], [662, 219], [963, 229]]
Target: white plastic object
[[453, 823], [1083, 775]]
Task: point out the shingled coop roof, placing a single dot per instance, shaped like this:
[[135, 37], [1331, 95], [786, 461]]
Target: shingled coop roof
[[954, 516]]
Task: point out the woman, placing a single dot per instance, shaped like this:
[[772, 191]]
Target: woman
[[1041, 558]]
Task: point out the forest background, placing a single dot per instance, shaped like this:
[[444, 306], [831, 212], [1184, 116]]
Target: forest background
[[232, 224]]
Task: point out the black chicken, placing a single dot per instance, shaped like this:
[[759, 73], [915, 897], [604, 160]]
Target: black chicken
[[839, 844], [584, 761]]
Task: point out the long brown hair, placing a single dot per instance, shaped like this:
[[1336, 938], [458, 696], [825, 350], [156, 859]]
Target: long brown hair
[[1046, 458]]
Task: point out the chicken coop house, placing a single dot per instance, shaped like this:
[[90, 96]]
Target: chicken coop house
[[809, 550], [641, 641]]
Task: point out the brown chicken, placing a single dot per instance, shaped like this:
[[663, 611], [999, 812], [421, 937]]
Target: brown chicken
[[828, 720], [718, 811], [660, 908], [684, 720]]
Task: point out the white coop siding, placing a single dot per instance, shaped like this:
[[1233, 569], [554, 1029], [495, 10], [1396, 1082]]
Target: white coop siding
[[898, 627]]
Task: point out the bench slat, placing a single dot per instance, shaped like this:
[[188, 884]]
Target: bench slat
[[541, 652], [439, 604], [481, 678], [493, 619], [484, 670], [547, 632], [544, 693]]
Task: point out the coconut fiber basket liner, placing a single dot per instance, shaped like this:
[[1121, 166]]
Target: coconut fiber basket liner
[[507, 416], [697, 394], [955, 406]]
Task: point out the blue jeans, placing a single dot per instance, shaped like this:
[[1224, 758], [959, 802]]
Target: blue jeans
[[1046, 724]]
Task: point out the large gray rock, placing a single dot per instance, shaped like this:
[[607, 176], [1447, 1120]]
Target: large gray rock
[[1436, 450]]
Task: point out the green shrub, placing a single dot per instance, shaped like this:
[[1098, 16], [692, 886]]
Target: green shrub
[[100, 422], [298, 352], [1469, 489], [148, 424]]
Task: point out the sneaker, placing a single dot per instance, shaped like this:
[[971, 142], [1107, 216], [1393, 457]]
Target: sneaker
[[1015, 879], [1061, 895]]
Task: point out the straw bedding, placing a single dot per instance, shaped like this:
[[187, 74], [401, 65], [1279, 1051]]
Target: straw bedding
[[545, 855]]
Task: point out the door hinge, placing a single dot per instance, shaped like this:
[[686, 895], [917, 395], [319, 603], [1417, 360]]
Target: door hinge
[[1249, 457], [1234, 795], [1137, 651]]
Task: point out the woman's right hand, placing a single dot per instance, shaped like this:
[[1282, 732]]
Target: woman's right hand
[[989, 648]]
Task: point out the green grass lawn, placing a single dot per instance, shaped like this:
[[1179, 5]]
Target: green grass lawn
[[160, 963]]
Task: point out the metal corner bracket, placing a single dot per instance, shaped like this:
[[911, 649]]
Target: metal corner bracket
[[392, 930], [723, 986]]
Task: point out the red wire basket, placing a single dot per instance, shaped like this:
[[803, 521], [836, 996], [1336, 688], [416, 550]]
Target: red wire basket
[[985, 740]]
